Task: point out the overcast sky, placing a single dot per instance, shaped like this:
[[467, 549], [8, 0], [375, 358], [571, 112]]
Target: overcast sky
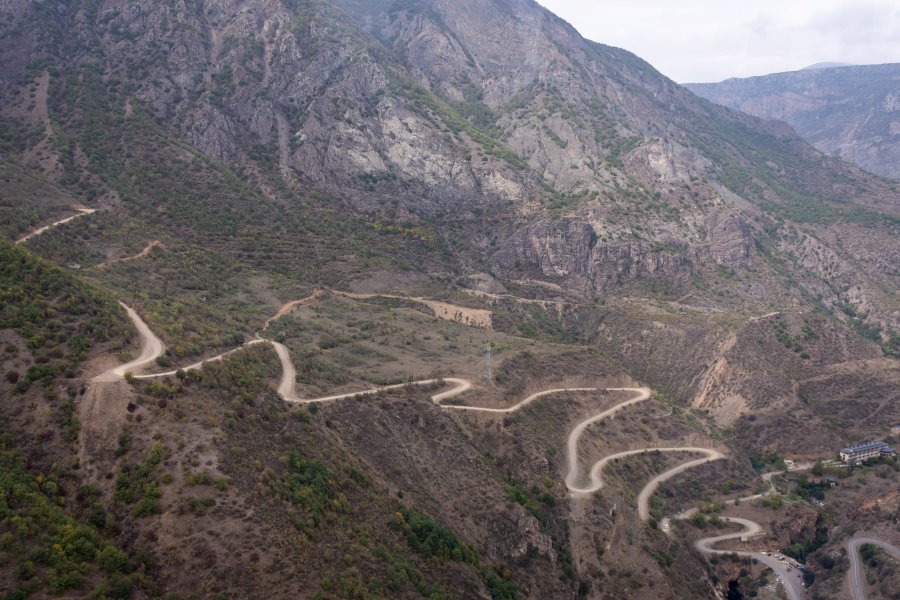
[[710, 40]]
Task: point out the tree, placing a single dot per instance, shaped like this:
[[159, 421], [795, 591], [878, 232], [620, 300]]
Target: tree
[[818, 469], [775, 501], [699, 520]]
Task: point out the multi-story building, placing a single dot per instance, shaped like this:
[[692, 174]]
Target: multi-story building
[[857, 454]]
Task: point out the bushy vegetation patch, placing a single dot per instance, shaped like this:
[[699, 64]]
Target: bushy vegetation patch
[[45, 550], [60, 317]]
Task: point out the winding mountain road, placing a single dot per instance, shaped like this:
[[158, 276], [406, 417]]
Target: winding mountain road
[[520, 405], [152, 348], [650, 487], [81, 213], [856, 579], [791, 580], [143, 253], [200, 364]]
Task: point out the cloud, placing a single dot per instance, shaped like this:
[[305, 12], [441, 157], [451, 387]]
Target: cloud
[[711, 40]]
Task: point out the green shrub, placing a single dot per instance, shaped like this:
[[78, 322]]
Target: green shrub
[[429, 538]]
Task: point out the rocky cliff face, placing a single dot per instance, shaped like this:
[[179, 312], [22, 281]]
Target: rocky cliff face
[[847, 111], [569, 252]]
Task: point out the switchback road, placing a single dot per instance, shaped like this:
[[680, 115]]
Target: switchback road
[[856, 579]]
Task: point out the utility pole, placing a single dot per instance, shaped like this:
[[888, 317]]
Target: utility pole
[[489, 374]]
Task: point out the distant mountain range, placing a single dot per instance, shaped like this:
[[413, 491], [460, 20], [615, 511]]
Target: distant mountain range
[[843, 110]]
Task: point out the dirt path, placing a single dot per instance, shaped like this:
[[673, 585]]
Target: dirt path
[[81, 213], [147, 249], [289, 306], [559, 305], [473, 317], [151, 348], [763, 317], [856, 579]]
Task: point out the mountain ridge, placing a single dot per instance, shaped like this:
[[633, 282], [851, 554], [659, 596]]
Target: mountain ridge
[[848, 111]]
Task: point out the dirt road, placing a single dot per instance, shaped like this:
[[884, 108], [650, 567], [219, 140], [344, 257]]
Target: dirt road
[[596, 473], [473, 317], [575, 435], [790, 580], [650, 488], [200, 364], [151, 348], [81, 212], [522, 404], [147, 250], [856, 578], [287, 388]]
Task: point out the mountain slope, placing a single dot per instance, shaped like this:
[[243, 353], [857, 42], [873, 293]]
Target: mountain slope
[[843, 110], [612, 226], [295, 137], [318, 142]]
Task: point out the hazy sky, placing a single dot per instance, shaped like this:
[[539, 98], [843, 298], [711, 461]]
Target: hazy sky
[[712, 40]]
